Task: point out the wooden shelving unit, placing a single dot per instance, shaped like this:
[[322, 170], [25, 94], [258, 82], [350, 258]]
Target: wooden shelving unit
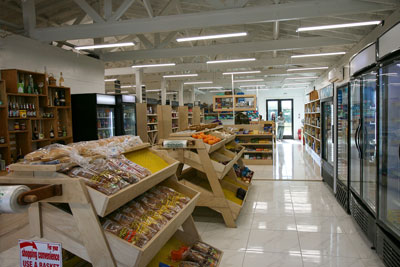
[[240, 102], [174, 119], [211, 172], [148, 121], [79, 228], [22, 141], [258, 142], [312, 125], [183, 122], [196, 115]]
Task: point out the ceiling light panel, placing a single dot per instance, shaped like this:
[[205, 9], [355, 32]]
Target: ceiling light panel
[[89, 47], [314, 68], [250, 80], [230, 60], [241, 72], [338, 26], [154, 65], [253, 85], [210, 87], [198, 82], [180, 75], [296, 84], [319, 55], [302, 78], [110, 80], [209, 37], [220, 91]]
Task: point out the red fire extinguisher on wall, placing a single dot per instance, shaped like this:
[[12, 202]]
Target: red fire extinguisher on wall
[[299, 134]]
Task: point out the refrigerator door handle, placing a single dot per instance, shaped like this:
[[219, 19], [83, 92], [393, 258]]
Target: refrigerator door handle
[[356, 139], [359, 142]]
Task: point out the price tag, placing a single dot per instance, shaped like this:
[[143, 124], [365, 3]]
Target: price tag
[[39, 254]]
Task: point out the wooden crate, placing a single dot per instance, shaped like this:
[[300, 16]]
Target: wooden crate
[[60, 226]]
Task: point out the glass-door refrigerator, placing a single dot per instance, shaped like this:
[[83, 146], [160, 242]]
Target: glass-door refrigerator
[[342, 149], [327, 141], [363, 141], [126, 115], [388, 237], [93, 116]]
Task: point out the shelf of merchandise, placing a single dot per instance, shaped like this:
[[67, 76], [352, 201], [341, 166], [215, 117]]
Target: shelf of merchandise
[[262, 136], [80, 230], [148, 123], [218, 106], [312, 125], [174, 119], [20, 142], [211, 172]]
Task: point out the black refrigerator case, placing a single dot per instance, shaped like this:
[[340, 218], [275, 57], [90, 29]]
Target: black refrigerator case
[[93, 116], [363, 141], [327, 141], [388, 230], [125, 115], [342, 149]]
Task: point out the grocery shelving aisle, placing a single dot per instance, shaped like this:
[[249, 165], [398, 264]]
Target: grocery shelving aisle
[[293, 220]]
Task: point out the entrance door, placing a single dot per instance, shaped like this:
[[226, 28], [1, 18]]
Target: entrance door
[[274, 107]]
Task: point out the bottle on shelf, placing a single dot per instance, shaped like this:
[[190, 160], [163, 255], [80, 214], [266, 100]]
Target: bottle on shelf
[[35, 135], [20, 83], [56, 100], [19, 156], [41, 134], [61, 80], [59, 131], [62, 99], [30, 85], [64, 132], [51, 131]]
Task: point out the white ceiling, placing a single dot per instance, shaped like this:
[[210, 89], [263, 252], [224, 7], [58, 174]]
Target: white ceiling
[[154, 26]]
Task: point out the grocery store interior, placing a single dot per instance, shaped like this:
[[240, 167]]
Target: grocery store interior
[[189, 133]]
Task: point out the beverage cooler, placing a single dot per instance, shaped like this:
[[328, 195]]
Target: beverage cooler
[[388, 230], [93, 116], [363, 140], [126, 115], [327, 136], [342, 150]]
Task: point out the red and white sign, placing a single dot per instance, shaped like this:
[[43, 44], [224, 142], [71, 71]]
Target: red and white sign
[[39, 254]]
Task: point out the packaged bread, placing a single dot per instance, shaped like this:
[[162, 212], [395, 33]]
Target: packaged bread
[[122, 218], [36, 155], [57, 151], [206, 249], [134, 209], [125, 233], [114, 166]]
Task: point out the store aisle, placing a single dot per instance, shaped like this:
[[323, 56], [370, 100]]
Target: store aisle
[[288, 224], [291, 162]]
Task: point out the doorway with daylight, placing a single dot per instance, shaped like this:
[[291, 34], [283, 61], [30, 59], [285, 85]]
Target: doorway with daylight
[[274, 107]]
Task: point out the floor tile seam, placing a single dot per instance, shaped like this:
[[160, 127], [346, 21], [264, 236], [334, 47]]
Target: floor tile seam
[[248, 238], [297, 232]]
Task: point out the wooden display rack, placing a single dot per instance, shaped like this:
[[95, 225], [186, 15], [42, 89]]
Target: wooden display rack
[[219, 179], [235, 101], [144, 122], [312, 125], [17, 141], [245, 140], [79, 229]]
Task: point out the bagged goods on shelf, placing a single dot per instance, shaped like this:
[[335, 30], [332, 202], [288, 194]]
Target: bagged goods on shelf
[[206, 249], [188, 264], [146, 215]]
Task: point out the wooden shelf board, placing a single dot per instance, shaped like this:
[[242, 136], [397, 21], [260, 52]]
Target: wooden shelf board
[[257, 152], [58, 87], [251, 135], [152, 123], [258, 161], [313, 137], [3, 106], [312, 125], [23, 94], [152, 131], [312, 101], [19, 118], [40, 140], [62, 137], [60, 107], [255, 144], [4, 145], [18, 131], [318, 112], [151, 114]]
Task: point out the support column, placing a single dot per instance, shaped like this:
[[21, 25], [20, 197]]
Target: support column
[[181, 95], [193, 96], [163, 92], [139, 92]]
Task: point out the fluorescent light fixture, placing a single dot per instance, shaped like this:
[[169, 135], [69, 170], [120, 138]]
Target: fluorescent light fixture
[[220, 91], [338, 26], [210, 87], [314, 68], [254, 85], [302, 78], [110, 93], [128, 86], [153, 90], [293, 88], [172, 93], [296, 84], [110, 80], [198, 82], [241, 72], [250, 80], [180, 75], [105, 99], [104, 46], [208, 37], [124, 92], [319, 55], [260, 89], [154, 65], [230, 60]]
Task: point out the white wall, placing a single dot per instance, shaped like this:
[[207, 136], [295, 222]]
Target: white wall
[[83, 74]]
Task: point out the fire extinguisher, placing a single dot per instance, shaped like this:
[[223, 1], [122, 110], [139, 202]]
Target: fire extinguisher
[[299, 134]]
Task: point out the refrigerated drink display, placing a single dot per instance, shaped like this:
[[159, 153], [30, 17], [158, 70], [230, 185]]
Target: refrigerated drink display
[[389, 146], [105, 122], [342, 132], [327, 131], [129, 119], [368, 140], [355, 124]]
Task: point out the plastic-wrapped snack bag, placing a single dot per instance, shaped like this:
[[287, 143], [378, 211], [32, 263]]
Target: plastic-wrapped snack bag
[[161, 220], [133, 170], [196, 256], [122, 218], [141, 170], [206, 249], [134, 209], [167, 213], [143, 229], [127, 176]]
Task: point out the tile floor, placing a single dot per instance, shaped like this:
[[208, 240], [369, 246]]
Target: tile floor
[[287, 222]]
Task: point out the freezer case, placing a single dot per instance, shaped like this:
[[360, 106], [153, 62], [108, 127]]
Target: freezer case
[[389, 147], [342, 185], [327, 141], [93, 116], [126, 115]]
